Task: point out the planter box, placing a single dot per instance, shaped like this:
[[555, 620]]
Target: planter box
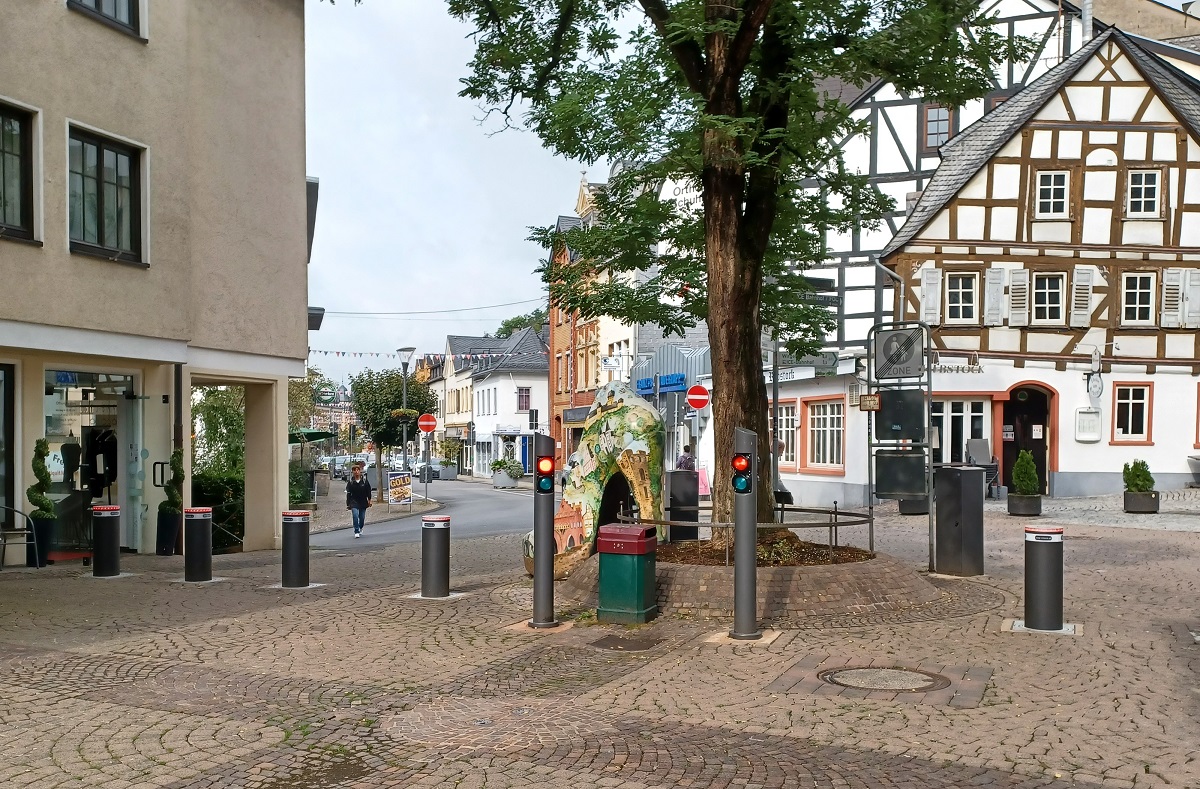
[[502, 480], [449, 472], [1141, 502], [1028, 506]]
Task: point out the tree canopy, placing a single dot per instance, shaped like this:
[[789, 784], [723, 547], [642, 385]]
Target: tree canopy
[[378, 398], [533, 320], [735, 101], [302, 397]]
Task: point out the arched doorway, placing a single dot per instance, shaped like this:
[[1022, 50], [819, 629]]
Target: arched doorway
[[617, 496], [1029, 424]]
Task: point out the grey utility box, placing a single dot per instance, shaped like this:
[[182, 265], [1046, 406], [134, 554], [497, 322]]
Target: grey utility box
[[958, 520]]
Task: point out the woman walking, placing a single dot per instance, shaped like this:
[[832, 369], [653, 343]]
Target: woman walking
[[358, 498]]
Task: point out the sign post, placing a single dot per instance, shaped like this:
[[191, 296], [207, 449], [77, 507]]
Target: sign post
[[427, 423], [697, 399]]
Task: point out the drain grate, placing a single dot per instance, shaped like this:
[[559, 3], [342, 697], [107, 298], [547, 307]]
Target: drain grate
[[620, 644], [897, 680]]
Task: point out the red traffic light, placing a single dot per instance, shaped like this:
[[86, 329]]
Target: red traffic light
[[545, 465], [741, 463]]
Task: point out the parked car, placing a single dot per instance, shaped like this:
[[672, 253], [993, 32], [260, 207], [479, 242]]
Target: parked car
[[339, 466], [435, 465]]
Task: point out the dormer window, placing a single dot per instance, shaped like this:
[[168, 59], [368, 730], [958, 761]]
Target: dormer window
[[1052, 189]]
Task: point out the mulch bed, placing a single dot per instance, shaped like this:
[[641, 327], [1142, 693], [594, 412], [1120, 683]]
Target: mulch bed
[[775, 549]]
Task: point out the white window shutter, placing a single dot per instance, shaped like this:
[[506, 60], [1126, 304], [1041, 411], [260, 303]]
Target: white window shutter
[[852, 393], [993, 297], [1081, 297], [1018, 298], [1191, 298], [1171, 314], [931, 296]]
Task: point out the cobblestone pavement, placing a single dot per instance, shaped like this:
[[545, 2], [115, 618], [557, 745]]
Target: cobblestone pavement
[[143, 680]]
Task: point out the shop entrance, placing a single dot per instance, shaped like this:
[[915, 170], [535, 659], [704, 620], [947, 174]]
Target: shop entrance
[[94, 429], [1026, 426], [7, 442]]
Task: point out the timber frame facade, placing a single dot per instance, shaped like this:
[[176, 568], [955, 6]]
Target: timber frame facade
[[1058, 245]]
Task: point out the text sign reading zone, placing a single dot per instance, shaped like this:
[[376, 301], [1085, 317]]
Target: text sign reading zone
[[899, 353]]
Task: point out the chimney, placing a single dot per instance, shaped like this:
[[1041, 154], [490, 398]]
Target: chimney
[[1087, 21]]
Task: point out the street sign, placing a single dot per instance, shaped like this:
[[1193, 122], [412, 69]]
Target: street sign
[[868, 402], [427, 423], [697, 397], [325, 394], [899, 353], [821, 299]]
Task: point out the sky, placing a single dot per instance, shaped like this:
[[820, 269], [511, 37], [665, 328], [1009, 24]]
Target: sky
[[421, 207]]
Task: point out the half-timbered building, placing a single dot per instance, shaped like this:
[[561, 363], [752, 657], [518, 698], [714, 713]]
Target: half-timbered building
[[1056, 254]]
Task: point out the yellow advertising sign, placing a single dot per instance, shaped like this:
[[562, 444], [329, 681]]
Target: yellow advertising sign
[[399, 487]]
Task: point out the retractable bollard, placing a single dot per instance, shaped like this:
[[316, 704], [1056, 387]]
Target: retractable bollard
[[1043, 578], [197, 544], [435, 556], [295, 549], [106, 541]]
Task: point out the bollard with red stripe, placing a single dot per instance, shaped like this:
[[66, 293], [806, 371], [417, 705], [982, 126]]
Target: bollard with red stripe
[[295, 548], [435, 556], [197, 544], [106, 541]]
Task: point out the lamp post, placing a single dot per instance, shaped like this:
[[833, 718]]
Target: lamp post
[[406, 355]]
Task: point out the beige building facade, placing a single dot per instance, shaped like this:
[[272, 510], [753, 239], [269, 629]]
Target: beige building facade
[[153, 218]]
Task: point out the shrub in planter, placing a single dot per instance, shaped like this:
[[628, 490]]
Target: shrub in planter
[[1140, 495], [1026, 498], [170, 511], [505, 473], [44, 516]]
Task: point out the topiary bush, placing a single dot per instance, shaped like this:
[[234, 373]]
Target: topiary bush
[[43, 507], [174, 487], [1137, 477], [1025, 475]]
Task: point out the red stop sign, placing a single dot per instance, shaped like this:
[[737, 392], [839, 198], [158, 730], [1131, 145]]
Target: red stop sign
[[697, 397], [427, 423]]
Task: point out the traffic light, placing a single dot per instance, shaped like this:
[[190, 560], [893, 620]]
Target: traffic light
[[743, 472], [544, 474]]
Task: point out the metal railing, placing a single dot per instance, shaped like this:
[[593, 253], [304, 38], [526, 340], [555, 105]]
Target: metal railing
[[32, 538]]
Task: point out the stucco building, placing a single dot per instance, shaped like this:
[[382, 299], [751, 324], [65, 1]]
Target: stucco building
[[153, 216]]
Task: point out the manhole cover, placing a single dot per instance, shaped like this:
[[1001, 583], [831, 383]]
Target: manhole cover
[[620, 644], [902, 680]]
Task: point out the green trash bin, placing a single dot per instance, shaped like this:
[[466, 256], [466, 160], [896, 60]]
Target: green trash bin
[[628, 591]]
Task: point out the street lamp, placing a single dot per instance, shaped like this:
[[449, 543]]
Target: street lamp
[[406, 355]]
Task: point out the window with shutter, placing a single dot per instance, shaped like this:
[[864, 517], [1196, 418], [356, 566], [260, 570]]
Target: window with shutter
[[1170, 313], [1191, 298], [1081, 297], [931, 296], [852, 391], [993, 297], [1018, 298]]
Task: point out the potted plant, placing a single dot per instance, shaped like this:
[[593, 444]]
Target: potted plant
[[449, 451], [1140, 495], [505, 473], [44, 516], [170, 511], [1026, 498]]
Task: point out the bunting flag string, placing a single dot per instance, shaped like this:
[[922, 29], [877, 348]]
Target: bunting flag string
[[436, 357]]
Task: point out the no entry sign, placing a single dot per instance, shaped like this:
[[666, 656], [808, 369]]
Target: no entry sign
[[697, 397], [427, 423]]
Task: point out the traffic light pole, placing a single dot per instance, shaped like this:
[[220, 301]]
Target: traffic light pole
[[543, 540], [745, 545]]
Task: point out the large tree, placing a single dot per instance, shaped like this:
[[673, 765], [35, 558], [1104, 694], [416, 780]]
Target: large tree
[[534, 320], [302, 397], [378, 400], [728, 98]]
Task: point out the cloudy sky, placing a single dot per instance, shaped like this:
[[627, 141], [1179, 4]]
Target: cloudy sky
[[421, 207]]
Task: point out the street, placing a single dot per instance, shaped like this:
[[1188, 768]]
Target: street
[[475, 510]]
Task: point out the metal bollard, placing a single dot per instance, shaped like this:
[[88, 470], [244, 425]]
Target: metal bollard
[[745, 546], [1043, 578], [435, 556], [197, 544], [106, 541], [295, 548]]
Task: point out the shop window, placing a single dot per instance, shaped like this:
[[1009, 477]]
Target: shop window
[[105, 204], [954, 423], [1052, 189], [16, 173], [1132, 412], [1137, 299]]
